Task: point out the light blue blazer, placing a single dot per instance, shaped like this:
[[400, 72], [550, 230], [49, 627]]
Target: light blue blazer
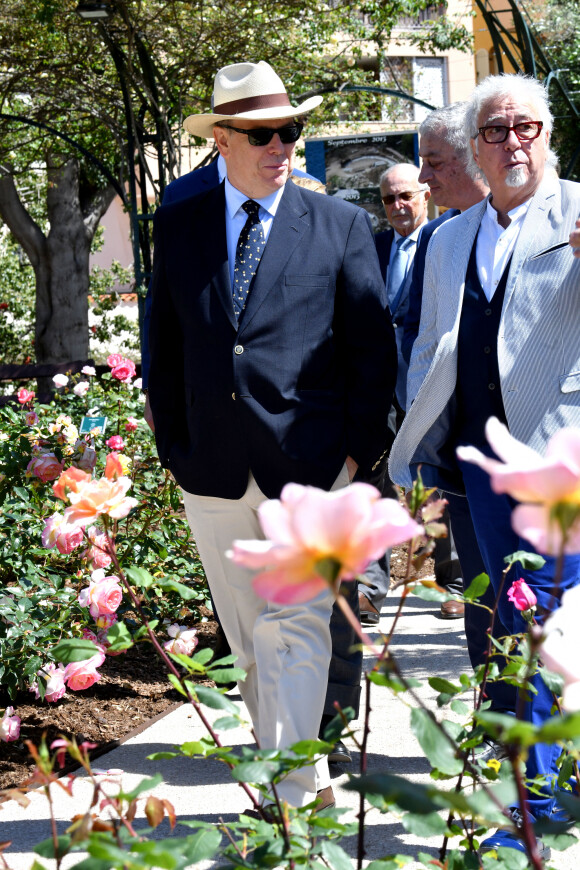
[[538, 338]]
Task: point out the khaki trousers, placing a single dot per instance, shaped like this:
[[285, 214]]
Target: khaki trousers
[[284, 649]]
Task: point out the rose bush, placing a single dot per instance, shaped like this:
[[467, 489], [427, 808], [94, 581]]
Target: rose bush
[[58, 489]]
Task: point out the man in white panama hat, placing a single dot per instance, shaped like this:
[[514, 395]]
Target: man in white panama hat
[[272, 360]]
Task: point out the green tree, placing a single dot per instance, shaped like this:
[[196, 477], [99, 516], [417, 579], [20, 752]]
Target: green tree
[[63, 73], [557, 25]]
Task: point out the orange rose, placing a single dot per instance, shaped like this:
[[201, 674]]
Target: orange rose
[[99, 497], [70, 481]]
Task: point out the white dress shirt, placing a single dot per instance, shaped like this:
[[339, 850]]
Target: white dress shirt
[[236, 217], [495, 245]]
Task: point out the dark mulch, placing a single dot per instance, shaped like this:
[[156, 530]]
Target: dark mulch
[[133, 690]]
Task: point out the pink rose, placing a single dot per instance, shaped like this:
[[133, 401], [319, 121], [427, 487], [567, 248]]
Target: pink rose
[[46, 467], [81, 389], [60, 380], [57, 533], [114, 359], [82, 675], [9, 726], [115, 442], [54, 677], [317, 538], [106, 620], [102, 596], [521, 595], [89, 370], [23, 395], [98, 550], [183, 641], [124, 370], [131, 424], [31, 418]]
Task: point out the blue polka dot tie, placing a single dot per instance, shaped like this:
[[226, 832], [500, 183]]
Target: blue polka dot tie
[[248, 252]]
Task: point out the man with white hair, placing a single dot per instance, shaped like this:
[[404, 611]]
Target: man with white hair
[[499, 337]]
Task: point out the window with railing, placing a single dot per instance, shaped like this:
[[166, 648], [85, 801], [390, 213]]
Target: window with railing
[[430, 13]]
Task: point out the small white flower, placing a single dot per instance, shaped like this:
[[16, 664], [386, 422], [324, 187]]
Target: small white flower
[[60, 380], [88, 370], [137, 383]]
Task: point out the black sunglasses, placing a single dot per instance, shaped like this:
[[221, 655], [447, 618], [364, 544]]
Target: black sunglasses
[[406, 196], [263, 135]]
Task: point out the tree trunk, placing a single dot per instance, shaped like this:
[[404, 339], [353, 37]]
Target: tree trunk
[[60, 259]]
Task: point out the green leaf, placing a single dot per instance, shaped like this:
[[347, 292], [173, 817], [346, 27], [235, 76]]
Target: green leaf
[[554, 682], [76, 649], [226, 675], [429, 825], [119, 637], [393, 863], [477, 587], [460, 707], [203, 656], [559, 728], [213, 698], [529, 561], [259, 772], [226, 723], [435, 743], [184, 591], [442, 685], [429, 593], [46, 848], [176, 683], [560, 842], [144, 785], [140, 577], [335, 855]]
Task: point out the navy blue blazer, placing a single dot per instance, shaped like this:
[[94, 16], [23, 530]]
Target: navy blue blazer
[[191, 184], [415, 295], [308, 376]]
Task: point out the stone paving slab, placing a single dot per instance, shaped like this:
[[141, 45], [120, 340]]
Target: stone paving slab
[[203, 789]]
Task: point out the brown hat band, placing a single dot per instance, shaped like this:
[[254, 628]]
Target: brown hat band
[[267, 101]]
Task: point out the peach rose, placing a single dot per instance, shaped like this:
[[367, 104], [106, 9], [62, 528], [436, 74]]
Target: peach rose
[[71, 480], [100, 497], [82, 675]]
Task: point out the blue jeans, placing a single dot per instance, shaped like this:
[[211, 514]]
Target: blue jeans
[[491, 514]]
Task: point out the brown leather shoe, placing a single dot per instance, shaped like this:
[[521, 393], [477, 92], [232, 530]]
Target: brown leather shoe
[[325, 798], [369, 615], [452, 609]]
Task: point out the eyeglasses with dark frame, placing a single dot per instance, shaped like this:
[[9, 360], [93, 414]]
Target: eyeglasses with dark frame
[[406, 196], [261, 136], [526, 131]]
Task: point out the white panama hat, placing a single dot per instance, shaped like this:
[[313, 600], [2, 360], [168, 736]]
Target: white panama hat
[[247, 90]]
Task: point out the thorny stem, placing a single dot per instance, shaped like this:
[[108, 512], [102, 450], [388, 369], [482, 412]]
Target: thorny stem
[[363, 770]]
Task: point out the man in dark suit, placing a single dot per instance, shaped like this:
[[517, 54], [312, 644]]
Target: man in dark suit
[[405, 204], [280, 374]]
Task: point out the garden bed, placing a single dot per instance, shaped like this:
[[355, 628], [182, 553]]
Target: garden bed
[[133, 690]]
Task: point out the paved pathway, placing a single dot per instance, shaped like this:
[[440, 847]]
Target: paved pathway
[[201, 789]]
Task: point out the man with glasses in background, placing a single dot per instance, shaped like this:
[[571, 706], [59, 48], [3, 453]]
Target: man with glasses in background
[[500, 321], [273, 360]]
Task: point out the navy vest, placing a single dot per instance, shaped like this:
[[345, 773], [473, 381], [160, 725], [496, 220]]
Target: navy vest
[[478, 390]]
